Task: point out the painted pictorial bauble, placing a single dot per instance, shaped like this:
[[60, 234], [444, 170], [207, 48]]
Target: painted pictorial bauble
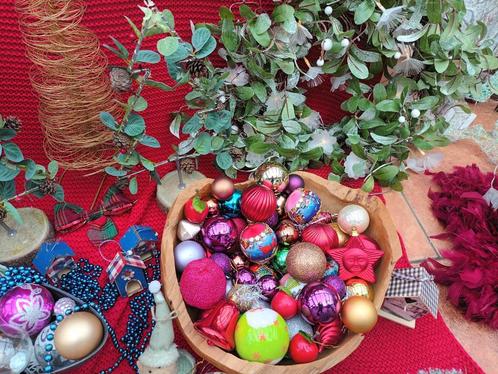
[[258, 242], [302, 205]]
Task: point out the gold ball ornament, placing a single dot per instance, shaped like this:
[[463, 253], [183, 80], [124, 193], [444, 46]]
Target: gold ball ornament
[[341, 235], [359, 287], [353, 218], [306, 262], [359, 314], [78, 335], [272, 175]]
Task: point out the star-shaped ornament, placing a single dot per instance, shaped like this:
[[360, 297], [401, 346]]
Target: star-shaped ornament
[[357, 258]]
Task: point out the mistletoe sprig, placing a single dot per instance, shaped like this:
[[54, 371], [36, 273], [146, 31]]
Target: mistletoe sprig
[[39, 181]]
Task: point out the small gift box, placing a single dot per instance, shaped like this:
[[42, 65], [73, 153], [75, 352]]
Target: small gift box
[[412, 294]]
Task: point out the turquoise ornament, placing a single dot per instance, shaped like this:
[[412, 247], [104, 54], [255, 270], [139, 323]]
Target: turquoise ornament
[[231, 208]]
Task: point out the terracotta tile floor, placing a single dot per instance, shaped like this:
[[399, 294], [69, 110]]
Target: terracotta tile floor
[[411, 210]]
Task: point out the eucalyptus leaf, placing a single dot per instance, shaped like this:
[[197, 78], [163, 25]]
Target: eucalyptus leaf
[[12, 152], [12, 211], [111, 170], [207, 49], [149, 141], [388, 106], [192, 125], [7, 189], [135, 125], [385, 140], [150, 57], [364, 11], [202, 143], [53, 168], [174, 126], [200, 37], [168, 46], [107, 119], [292, 127], [224, 160], [133, 186], [357, 68]]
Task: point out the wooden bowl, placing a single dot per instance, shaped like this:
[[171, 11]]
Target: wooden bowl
[[333, 196]]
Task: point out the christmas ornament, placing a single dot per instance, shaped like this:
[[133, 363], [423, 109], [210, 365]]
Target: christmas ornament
[[302, 349], [302, 205], [359, 287], [287, 233], [15, 353], [319, 303], [284, 304], [298, 323], [245, 296], [219, 324], [279, 260], [332, 268], [292, 285], [62, 305], [219, 234], [240, 224], [261, 335], [230, 208], [223, 261], [244, 276], [273, 220], [187, 230], [322, 217], [321, 235], [261, 270], [272, 175], [268, 285], [46, 336], [329, 335], [78, 335], [258, 203], [26, 308], [342, 237], [229, 286], [353, 218], [239, 261], [186, 252], [295, 182], [359, 314], [222, 188], [202, 283], [281, 205], [335, 283], [306, 262], [213, 208], [195, 210], [258, 242], [356, 259]]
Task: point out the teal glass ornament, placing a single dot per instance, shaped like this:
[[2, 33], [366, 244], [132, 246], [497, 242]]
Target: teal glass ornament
[[279, 261], [231, 208]]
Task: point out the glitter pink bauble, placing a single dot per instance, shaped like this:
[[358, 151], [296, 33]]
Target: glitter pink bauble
[[26, 308]]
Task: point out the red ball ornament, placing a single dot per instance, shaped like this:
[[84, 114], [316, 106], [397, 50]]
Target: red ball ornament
[[203, 284], [222, 188], [321, 235], [303, 349], [284, 304], [258, 203], [330, 334], [195, 210]]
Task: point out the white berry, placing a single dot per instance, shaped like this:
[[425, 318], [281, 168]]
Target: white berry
[[345, 42], [328, 10], [327, 44], [397, 55], [415, 113], [320, 62], [402, 119]]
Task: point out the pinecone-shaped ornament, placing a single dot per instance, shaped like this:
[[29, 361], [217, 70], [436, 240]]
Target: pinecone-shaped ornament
[[237, 154], [120, 79], [3, 212], [13, 123], [197, 68], [187, 165], [121, 141], [47, 187]]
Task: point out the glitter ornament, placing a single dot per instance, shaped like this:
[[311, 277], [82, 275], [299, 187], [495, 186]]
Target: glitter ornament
[[258, 203], [342, 237], [223, 261], [272, 175], [244, 276], [353, 218], [292, 285], [359, 314], [245, 296], [261, 335], [322, 235], [298, 323], [287, 233], [186, 252], [46, 336], [230, 208], [258, 242], [319, 303], [336, 283], [302, 205], [359, 287], [202, 284], [187, 230], [62, 305], [219, 234], [222, 188], [329, 335], [268, 285], [25, 309], [279, 260], [306, 262]]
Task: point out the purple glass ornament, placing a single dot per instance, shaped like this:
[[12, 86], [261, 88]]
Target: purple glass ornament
[[336, 283], [25, 308], [63, 304], [219, 234], [273, 220], [245, 276], [319, 303], [295, 182], [223, 261], [268, 286]]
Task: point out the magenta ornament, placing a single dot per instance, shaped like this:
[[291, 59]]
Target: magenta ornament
[[245, 276], [319, 303], [295, 182], [26, 308], [223, 261], [336, 283], [268, 285], [219, 234], [273, 220]]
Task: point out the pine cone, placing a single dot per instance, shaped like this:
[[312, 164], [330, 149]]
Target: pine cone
[[3, 212], [47, 187], [120, 79], [121, 141], [197, 68], [187, 165], [12, 123], [237, 154]]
